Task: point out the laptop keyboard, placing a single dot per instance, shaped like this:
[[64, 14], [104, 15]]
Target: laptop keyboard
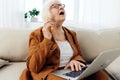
[[75, 73]]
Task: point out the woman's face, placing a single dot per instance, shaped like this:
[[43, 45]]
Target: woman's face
[[57, 12]]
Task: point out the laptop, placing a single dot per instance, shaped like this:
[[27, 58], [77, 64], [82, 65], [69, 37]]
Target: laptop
[[99, 63]]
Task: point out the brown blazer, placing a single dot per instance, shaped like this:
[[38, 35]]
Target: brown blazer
[[44, 55]]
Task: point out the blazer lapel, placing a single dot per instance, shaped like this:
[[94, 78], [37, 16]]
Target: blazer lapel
[[52, 49], [70, 39]]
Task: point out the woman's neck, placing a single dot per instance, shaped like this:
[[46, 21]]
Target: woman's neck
[[58, 33], [58, 27]]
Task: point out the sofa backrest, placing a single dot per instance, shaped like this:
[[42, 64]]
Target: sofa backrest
[[14, 42], [93, 42]]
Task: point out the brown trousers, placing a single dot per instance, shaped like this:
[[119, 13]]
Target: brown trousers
[[100, 75]]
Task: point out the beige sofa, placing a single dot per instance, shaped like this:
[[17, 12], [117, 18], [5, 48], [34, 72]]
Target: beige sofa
[[14, 48]]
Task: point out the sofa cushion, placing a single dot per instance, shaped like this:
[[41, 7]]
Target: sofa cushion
[[12, 71], [3, 62], [14, 43], [110, 38], [89, 43]]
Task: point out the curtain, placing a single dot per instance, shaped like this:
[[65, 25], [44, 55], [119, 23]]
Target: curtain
[[93, 13], [101, 13]]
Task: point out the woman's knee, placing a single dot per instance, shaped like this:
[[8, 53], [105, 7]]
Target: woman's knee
[[100, 75]]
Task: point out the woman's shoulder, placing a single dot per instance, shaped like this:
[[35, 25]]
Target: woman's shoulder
[[69, 30], [37, 31]]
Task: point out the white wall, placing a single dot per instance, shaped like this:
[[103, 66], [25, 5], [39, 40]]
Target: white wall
[[110, 13], [101, 13], [91, 12], [11, 13]]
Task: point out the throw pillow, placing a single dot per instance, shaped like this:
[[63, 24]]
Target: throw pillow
[[114, 69], [3, 62]]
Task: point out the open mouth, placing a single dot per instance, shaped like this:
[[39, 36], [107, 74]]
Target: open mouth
[[61, 13]]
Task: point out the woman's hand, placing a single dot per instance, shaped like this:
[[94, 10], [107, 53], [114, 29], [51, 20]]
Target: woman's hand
[[46, 29], [74, 65]]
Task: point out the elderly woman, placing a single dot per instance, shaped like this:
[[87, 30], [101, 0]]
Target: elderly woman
[[53, 46]]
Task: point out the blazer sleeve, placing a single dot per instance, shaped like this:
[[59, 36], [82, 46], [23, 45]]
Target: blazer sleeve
[[78, 56], [38, 50]]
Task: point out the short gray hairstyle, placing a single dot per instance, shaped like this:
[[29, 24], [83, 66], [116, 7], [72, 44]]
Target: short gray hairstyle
[[46, 9]]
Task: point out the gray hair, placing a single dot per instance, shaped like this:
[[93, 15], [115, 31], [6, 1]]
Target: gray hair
[[46, 9]]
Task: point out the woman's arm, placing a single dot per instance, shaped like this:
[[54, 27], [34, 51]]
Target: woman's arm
[[38, 51]]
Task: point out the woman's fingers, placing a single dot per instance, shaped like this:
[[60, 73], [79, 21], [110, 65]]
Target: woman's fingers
[[81, 64], [74, 65], [66, 66], [79, 67], [70, 65]]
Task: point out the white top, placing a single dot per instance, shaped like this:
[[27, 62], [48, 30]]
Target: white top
[[66, 52]]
